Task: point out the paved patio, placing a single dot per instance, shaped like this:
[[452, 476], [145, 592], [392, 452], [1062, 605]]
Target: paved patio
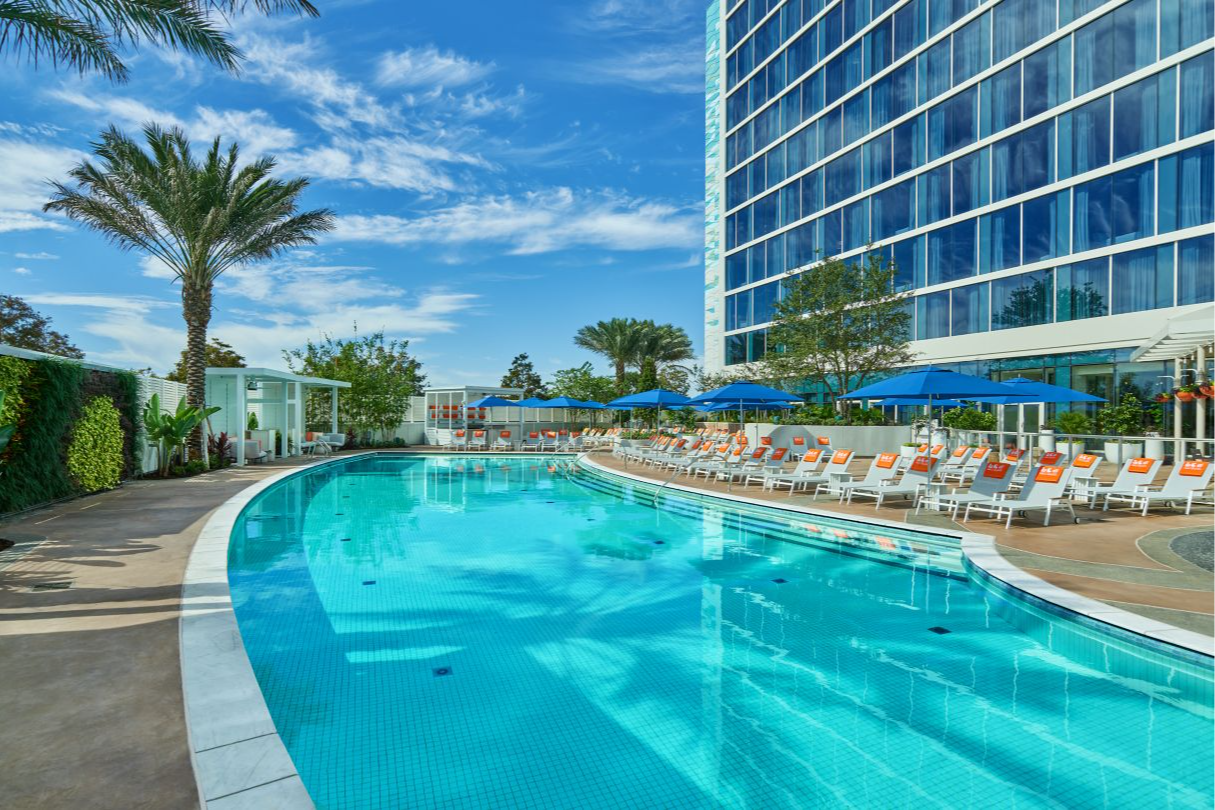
[[89, 602]]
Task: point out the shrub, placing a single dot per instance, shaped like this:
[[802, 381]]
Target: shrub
[[807, 415], [969, 419], [1123, 419], [868, 416], [35, 469], [1072, 423], [95, 456]]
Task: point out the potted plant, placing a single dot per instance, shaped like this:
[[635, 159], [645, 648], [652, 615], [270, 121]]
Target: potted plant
[[1071, 424], [1153, 418], [1123, 419], [250, 424], [909, 449], [1163, 397], [1207, 389], [1186, 393]]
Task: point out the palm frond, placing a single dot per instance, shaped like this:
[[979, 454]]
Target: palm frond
[[37, 30]]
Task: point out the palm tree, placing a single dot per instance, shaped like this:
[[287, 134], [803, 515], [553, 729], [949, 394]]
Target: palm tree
[[616, 340], [198, 217], [87, 34], [659, 345]]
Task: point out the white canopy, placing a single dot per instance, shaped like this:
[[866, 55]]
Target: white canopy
[[1181, 336]]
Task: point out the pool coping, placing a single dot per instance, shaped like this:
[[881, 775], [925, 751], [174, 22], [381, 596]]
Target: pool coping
[[980, 551]]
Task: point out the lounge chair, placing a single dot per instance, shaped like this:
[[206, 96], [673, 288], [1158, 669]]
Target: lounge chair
[[548, 441], [732, 458], [1135, 474], [956, 462], [1084, 472], [479, 440], [883, 467], [754, 463], [1188, 481], [802, 474], [915, 479], [978, 457], [797, 446], [823, 443], [532, 442], [994, 478], [1049, 459], [774, 463], [1044, 490], [459, 440], [503, 442]]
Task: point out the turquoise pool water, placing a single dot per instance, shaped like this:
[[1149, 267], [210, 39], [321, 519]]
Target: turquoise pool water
[[492, 632]]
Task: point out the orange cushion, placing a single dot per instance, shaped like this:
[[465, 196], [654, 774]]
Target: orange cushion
[[812, 455], [1139, 465], [780, 453], [923, 463], [1193, 468], [1084, 461], [1049, 474], [840, 456], [995, 469], [887, 460], [1050, 458]]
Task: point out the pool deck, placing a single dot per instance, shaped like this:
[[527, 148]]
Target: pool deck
[[90, 598], [1116, 557]]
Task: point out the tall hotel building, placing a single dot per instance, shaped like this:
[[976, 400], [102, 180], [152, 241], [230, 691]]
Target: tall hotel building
[[1040, 171]]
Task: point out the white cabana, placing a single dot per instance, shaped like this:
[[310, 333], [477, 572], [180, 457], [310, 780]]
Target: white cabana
[[276, 397]]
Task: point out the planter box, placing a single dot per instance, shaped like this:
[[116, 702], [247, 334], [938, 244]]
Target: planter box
[[1117, 453], [1069, 449]]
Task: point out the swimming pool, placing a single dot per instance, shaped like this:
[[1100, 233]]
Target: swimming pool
[[494, 632]]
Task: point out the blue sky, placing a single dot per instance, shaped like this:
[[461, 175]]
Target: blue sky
[[502, 173]]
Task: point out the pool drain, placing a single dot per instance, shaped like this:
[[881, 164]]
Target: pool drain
[[369, 582], [940, 631], [439, 672]]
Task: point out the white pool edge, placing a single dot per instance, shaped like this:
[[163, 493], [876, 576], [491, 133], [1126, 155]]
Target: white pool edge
[[980, 551], [238, 757]]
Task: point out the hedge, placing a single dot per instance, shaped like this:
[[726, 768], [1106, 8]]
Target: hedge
[[48, 400]]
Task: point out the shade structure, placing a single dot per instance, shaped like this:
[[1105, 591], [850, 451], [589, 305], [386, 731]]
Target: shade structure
[[934, 384], [904, 401], [656, 398], [561, 402], [1030, 392], [744, 391], [593, 405], [493, 402], [746, 406], [532, 402]]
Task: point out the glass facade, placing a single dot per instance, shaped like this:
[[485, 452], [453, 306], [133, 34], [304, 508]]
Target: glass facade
[[1022, 162]]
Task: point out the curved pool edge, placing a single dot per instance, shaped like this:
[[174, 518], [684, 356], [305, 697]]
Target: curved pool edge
[[238, 757], [979, 554]]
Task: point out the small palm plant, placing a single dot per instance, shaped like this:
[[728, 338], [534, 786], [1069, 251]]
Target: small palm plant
[[170, 430]]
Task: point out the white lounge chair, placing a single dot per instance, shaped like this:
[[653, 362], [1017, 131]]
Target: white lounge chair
[[803, 474], [883, 467], [1135, 473], [503, 441], [478, 441], [1188, 481], [1044, 490], [532, 442], [710, 468], [978, 457], [774, 463], [915, 479], [459, 440], [548, 441], [994, 478], [955, 462], [754, 463]]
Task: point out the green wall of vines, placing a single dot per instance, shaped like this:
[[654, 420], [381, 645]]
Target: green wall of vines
[[94, 457]]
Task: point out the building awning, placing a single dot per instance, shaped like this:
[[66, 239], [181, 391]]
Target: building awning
[[274, 375], [1180, 337]]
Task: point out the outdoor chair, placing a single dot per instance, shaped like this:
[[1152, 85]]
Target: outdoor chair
[[837, 467], [733, 456], [956, 462], [994, 478], [914, 480], [970, 469], [798, 447], [1049, 459], [479, 440], [807, 467], [883, 468], [1043, 491], [774, 463], [548, 441], [754, 463], [1135, 473], [459, 440], [1188, 481], [532, 442], [503, 442]]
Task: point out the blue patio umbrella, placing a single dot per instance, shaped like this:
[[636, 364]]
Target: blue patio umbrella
[[562, 402], [750, 406], [532, 402], [657, 398], [493, 402], [744, 391], [1026, 391], [932, 384], [901, 401], [593, 405]]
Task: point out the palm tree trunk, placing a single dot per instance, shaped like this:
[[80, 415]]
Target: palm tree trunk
[[196, 309], [620, 377]]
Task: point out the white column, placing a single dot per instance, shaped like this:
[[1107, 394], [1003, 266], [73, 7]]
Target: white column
[[298, 428], [333, 423], [283, 429], [242, 417], [1200, 405], [1178, 443]]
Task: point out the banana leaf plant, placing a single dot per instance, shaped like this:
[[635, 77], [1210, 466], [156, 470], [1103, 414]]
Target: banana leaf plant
[[170, 430]]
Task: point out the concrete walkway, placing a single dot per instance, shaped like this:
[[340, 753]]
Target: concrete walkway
[[91, 715]]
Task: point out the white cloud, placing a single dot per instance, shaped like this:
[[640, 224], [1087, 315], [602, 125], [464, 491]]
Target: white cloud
[[388, 161], [39, 256], [429, 67], [22, 271], [153, 267], [124, 303], [537, 222], [25, 167], [658, 69]]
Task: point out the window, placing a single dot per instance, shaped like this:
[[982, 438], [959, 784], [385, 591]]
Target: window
[[1000, 100], [1115, 44], [736, 349], [909, 29], [1195, 281], [878, 48], [1184, 23], [736, 270], [756, 264], [856, 224], [1144, 114], [969, 309], [934, 186], [766, 214], [934, 71], [952, 124], [799, 246], [812, 193], [1115, 208], [970, 182], [932, 316], [894, 210], [856, 117], [843, 176], [1047, 222], [763, 301], [1187, 188], [1084, 138], [971, 49], [1143, 279], [1084, 289], [908, 258], [878, 168], [831, 232], [1047, 77], [831, 131], [1020, 23], [738, 311], [1022, 300], [736, 189], [951, 253], [1000, 240], [1022, 162], [1198, 94], [775, 250], [757, 345], [790, 203], [909, 145]]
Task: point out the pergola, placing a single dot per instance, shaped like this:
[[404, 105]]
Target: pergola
[[277, 397], [1185, 338]]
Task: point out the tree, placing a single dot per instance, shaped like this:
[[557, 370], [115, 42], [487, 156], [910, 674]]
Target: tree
[[25, 328], [522, 374], [617, 340], [87, 34], [197, 217], [582, 383], [658, 346], [840, 324], [218, 355], [382, 376]]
